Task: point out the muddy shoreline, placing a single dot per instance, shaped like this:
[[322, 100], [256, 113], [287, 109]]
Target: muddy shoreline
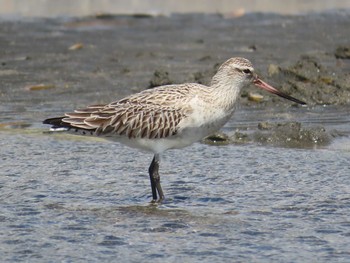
[[48, 66]]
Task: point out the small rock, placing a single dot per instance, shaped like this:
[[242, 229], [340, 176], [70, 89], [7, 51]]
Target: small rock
[[342, 52], [265, 125], [205, 58], [273, 69], [199, 41], [125, 70], [217, 139], [255, 97], [23, 58], [8, 72], [39, 87], [102, 15], [252, 48], [76, 46], [160, 78], [142, 15], [199, 77], [240, 137]]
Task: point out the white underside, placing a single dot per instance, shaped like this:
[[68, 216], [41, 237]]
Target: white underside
[[158, 146]]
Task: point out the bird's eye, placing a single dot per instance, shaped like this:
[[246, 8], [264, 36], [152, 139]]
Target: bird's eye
[[247, 71]]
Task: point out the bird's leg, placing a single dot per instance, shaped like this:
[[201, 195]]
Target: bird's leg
[[151, 177], [155, 180]]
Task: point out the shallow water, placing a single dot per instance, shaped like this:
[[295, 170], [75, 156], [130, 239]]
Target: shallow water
[[71, 200]]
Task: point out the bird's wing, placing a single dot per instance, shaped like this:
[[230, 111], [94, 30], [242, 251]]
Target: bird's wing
[[149, 114]]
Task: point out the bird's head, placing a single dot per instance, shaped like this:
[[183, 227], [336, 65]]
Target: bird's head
[[239, 72]]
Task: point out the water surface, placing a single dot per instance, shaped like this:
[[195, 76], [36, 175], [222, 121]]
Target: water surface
[[70, 200]]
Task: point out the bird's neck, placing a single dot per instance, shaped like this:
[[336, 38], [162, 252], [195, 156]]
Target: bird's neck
[[225, 91]]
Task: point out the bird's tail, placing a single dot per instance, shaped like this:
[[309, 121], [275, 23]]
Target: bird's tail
[[57, 124]]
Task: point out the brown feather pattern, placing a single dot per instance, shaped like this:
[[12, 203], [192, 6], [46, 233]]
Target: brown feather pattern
[[151, 114]]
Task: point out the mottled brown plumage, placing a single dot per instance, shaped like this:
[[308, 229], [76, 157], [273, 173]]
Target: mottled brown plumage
[[151, 114]]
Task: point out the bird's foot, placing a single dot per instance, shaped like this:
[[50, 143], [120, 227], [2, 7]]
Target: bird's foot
[[157, 201]]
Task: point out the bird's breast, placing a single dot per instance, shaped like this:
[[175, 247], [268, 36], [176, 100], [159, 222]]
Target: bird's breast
[[204, 122]]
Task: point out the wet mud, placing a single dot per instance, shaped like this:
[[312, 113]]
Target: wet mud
[[286, 134], [309, 79]]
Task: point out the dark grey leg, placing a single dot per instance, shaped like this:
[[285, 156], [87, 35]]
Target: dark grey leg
[[155, 180]]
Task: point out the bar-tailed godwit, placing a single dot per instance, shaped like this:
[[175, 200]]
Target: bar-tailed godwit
[[167, 117]]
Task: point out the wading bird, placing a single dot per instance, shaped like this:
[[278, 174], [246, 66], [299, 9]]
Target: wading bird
[[167, 117]]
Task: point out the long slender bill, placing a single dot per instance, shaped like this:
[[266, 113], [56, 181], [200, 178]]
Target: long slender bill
[[263, 85]]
